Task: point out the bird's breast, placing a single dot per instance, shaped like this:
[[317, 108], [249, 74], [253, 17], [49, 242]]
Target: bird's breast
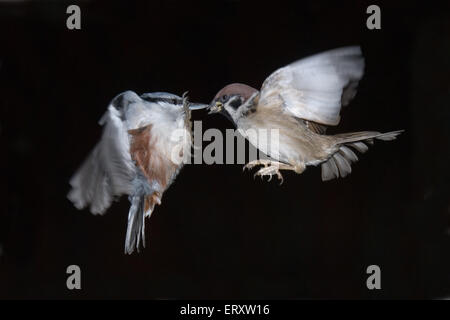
[[160, 148], [279, 135]]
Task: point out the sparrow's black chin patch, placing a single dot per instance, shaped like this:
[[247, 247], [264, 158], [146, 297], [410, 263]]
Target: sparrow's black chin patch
[[226, 114]]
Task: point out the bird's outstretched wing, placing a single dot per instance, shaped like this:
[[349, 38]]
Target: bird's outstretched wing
[[314, 88], [108, 171]]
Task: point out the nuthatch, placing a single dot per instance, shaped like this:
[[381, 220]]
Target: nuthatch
[[136, 156]]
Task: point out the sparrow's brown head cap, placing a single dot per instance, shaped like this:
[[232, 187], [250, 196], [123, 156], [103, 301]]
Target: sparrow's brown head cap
[[241, 89]]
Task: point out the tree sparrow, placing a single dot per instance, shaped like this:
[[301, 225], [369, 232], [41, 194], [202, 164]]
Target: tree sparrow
[[300, 100]]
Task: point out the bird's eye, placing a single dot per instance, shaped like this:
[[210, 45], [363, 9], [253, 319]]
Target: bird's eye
[[224, 98]]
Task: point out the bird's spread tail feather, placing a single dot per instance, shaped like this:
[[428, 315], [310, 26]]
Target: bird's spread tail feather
[[136, 224], [142, 204], [339, 164]]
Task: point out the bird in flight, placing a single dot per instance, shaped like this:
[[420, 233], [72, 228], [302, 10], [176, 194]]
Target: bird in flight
[[301, 100], [145, 141]]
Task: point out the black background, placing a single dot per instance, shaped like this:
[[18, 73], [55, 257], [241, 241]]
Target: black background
[[218, 232]]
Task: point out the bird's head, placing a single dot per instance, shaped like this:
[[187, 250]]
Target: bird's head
[[230, 98]]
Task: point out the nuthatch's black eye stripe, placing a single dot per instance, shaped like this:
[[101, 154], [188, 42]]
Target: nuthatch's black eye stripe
[[167, 100]]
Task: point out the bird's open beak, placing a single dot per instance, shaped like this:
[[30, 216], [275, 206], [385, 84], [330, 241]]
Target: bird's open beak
[[197, 106], [215, 107]]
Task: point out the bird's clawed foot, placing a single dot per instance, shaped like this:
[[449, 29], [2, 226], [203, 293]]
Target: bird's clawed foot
[[254, 163], [270, 168], [187, 119], [270, 171]]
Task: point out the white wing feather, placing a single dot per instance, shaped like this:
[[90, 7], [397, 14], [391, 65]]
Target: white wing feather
[[108, 171], [314, 88]]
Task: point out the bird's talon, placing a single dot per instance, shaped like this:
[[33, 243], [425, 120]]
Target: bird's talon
[[280, 177]]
